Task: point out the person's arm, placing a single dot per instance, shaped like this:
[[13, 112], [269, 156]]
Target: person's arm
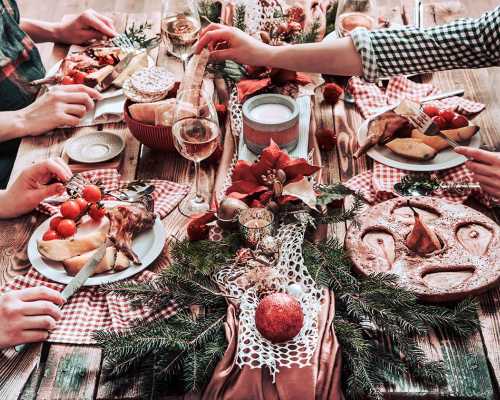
[[465, 43], [78, 29], [32, 186], [62, 106]]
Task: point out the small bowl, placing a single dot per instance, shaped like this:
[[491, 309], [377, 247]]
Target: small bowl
[[156, 137], [94, 147]]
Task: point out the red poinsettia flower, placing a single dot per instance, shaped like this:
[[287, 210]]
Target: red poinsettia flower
[[274, 165]]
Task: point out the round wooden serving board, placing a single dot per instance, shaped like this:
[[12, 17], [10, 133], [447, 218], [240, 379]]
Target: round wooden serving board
[[467, 264]]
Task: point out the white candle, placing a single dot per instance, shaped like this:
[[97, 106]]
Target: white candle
[[271, 113]]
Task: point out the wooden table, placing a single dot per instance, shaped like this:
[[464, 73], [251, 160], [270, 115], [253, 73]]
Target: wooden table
[[74, 372]]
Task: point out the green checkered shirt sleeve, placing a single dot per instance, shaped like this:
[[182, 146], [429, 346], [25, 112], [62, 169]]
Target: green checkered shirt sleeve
[[465, 43]]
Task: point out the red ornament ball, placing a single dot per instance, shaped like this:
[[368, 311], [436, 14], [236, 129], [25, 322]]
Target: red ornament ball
[[279, 317], [332, 93]]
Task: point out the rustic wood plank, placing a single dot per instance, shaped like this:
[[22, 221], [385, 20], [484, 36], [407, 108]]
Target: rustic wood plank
[[71, 372], [15, 369]]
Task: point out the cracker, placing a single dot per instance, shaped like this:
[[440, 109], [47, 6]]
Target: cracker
[[131, 93], [152, 81]]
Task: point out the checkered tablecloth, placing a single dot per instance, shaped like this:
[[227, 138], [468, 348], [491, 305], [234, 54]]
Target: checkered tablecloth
[[370, 98], [377, 185], [90, 309]]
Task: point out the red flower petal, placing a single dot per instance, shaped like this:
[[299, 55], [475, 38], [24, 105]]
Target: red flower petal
[[299, 167], [197, 228], [303, 79], [247, 87], [272, 157], [243, 172], [246, 188]]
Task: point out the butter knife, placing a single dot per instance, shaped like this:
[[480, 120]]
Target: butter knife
[[78, 281]]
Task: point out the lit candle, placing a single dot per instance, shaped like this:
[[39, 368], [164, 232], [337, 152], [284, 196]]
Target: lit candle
[[255, 223], [271, 113]]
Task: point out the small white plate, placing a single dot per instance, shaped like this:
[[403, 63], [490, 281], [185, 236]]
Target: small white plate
[[98, 146], [148, 246], [444, 159]]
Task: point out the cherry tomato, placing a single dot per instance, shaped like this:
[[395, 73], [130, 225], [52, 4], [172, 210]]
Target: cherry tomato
[[66, 228], [79, 77], [67, 80], [82, 203], [447, 114], [431, 111], [440, 122], [96, 212], [92, 193], [70, 209], [459, 121], [50, 235], [54, 222]]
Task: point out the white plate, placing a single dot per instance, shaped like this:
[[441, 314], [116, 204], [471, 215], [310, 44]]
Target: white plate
[[444, 159], [148, 246]]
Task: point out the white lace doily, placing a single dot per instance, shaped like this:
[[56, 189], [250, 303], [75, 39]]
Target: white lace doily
[[253, 349]]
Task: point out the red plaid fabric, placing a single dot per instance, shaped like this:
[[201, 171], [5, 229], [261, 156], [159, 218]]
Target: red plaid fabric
[[378, 185], [90, 310], [370, 98], [166, 195]]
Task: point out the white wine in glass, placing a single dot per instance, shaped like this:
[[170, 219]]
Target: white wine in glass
[[180, 27], [196, 136]]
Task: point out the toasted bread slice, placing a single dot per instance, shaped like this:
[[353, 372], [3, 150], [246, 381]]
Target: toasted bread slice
[[122, 262], [411, 148], [75, 264]]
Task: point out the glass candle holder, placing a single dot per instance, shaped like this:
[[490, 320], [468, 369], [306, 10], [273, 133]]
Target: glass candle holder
[[255, 224]]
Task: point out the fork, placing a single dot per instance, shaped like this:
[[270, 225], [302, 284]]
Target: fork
[[427, 126]]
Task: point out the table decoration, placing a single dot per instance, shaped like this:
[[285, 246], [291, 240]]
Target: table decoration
[[255, 224], [229, 280]]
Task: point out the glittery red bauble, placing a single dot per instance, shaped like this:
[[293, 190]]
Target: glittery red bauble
[[279, 317]]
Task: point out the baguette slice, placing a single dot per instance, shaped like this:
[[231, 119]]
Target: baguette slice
[[411, 148], [62, 249], [73, 265], [438, 143]]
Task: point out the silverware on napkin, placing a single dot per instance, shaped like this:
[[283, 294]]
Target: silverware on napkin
[[78, 280]]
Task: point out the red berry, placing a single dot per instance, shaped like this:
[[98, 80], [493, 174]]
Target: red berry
[[54, 222], [279, 317], [332, 93], [70, 209], [66, 228], [447, 114], [430, 110], [440, 122], [459, 121], [50, 235], [67, 80], [92, 193]]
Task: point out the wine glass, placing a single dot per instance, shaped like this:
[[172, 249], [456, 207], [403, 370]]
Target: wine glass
[[196, 136], [180, 27]]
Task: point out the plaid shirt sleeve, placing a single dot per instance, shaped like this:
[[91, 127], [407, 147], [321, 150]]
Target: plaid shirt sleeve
[[465, 43]]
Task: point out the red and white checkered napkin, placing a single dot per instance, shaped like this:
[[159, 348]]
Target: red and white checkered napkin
[[378, 185], [166, 194], [90, 310], [370, 98]]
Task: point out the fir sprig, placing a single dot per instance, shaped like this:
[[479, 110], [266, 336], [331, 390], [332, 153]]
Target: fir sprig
[[311, 35], [209, 10], [137, 34], [239, 17]]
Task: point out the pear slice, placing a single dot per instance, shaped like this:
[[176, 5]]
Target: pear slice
[[422, 239], [438, 143], [411, 148], [75, 264]]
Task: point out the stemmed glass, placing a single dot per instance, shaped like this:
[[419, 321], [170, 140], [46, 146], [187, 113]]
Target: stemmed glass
[[196, 136], [180, 27]]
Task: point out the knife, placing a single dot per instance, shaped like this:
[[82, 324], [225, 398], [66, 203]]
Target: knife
[[117, 70], [78, 281]]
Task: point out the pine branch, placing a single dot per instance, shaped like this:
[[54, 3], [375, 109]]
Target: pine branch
[[209, 10], [239, 17], [311, 35]]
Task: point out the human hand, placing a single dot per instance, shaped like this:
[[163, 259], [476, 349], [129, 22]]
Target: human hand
[[227, 43], [63, 105], [85, 27], [32, 186], [28, 315], [485, 166]]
